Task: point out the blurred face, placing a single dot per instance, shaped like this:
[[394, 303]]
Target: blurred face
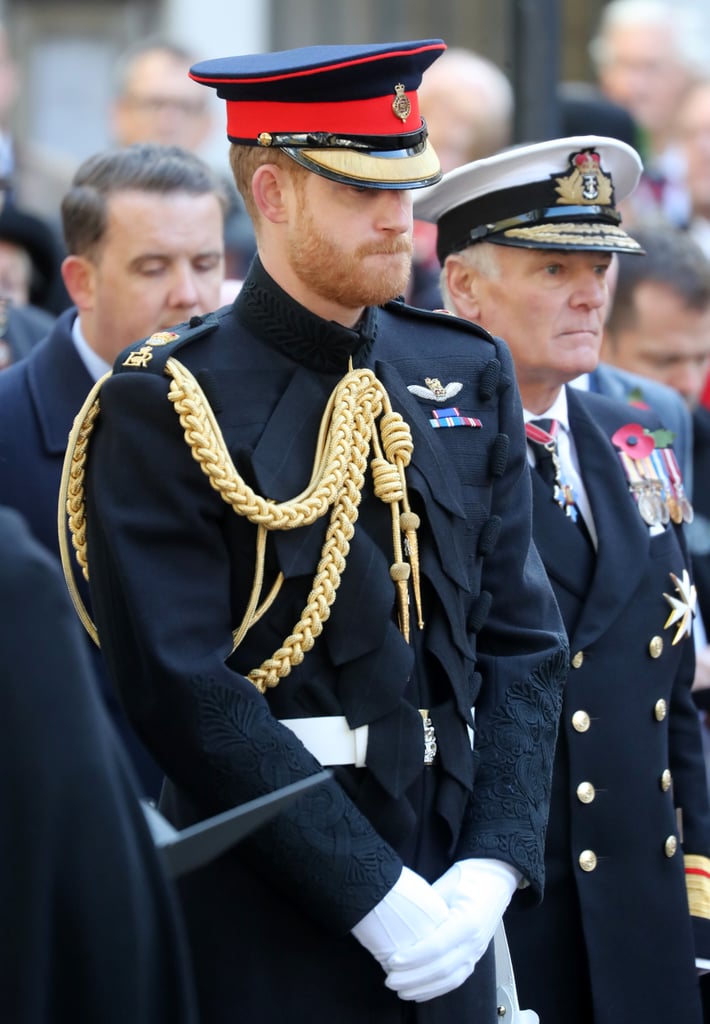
[[161, 261], [549, 306], [667, 341], [694, 135], [466, 109], [644, 75], [9, 80], [348, 247], [15, 274], [161, 104], [454, 125]]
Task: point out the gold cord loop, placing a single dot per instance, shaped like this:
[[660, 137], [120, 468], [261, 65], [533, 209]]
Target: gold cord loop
[[349, 428]]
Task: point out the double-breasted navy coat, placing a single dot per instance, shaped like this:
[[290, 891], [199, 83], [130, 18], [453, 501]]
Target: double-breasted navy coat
[[171, 567], [614, 939]]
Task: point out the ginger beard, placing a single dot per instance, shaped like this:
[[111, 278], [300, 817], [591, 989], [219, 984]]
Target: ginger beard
[[369, 275]]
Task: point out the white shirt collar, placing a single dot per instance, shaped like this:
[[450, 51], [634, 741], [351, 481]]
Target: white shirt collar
[[581, 383], [95, 365], [557, 411]]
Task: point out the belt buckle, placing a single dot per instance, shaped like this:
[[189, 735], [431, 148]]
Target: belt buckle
[[430, 747]]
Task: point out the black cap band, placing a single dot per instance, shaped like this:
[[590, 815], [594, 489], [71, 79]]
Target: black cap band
[[452, 241], [491, 215]]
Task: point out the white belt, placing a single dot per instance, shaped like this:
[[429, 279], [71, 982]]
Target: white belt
[[331, 740]]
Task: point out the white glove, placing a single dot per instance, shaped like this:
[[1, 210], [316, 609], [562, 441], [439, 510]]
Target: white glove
[[477, 893], [410, 911]]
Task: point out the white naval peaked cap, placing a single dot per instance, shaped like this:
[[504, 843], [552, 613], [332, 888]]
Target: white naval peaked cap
[[558, 194]]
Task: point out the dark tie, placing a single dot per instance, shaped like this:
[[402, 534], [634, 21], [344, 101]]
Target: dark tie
[[543, 435]]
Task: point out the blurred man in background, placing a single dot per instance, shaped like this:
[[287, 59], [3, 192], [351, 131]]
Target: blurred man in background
[[647, 53], [156, 101], [143, 229], [467, 103]]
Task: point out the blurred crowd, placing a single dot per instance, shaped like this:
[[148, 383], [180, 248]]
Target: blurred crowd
[[149, 235]]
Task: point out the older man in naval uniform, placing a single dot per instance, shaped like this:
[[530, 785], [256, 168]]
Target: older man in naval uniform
[[525, 239]]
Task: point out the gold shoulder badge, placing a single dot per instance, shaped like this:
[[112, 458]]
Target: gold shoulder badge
[[585, 183], [162, 338], [143, 355], [401, 106]]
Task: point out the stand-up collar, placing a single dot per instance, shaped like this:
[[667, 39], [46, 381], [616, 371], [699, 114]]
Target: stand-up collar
[[286, 325]]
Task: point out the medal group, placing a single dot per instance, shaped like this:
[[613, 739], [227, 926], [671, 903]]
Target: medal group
[[653, 474]]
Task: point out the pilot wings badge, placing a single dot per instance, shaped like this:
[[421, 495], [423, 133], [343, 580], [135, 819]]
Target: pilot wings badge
[[434, 390]]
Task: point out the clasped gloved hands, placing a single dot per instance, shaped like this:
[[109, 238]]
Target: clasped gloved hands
[[430, 938], [410, 911]]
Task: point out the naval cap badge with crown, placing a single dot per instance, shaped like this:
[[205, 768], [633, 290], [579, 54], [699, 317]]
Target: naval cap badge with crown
[[585, 182]]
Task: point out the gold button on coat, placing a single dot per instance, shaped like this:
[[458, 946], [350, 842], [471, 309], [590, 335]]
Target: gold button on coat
[[585, 792], [655, 646], [660, 710], [581, 721], [671, 845], [578, 660], [666, 781], [587, 860]]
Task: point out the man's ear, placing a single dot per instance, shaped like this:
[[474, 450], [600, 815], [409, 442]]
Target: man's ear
[[462, 284], [271, 187], [79, 274]]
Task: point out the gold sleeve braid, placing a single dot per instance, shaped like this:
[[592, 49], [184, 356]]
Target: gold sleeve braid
[[358, 417], [697, 881]]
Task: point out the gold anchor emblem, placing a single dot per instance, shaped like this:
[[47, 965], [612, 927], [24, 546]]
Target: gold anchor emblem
[[585, 182]]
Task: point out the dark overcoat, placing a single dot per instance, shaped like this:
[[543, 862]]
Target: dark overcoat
[[90, 928], [39, 398], [613, 939], [171, 569], [698, 531]]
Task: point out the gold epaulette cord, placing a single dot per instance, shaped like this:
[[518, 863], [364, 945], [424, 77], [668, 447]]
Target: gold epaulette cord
[[358, 417]]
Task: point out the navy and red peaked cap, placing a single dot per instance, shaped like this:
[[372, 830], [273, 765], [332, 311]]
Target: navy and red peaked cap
[[349, 113]]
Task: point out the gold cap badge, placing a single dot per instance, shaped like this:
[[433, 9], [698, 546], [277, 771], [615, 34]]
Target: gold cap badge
[[585, 183], [401, 106]]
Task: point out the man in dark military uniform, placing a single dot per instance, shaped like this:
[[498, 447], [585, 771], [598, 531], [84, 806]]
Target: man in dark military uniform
[[308, 536], [526, 239]]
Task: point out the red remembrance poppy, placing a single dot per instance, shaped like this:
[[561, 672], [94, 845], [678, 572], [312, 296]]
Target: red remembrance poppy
[[634, 440]]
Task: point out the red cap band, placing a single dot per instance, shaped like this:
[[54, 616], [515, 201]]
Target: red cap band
[[246, 119]]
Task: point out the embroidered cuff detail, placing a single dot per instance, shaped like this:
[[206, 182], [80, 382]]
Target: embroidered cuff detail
[[697, 880]]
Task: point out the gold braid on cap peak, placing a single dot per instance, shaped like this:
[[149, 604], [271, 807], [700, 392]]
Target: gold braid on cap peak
[[349, 429]]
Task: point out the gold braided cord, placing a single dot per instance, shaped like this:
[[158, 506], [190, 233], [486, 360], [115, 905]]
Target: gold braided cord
[[341, 457], [204, 438], [71, 509], [349, 428], [397, 440]]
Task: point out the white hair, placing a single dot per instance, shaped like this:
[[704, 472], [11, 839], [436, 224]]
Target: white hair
[[481, 258], [488, 87], [686, 25]]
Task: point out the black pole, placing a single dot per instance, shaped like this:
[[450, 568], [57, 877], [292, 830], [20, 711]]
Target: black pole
[[535, 49]]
